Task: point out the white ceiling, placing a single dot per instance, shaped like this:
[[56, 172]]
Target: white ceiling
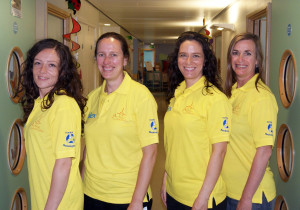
[[160, 21]]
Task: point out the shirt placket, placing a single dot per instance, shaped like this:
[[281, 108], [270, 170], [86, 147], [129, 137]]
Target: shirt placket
[[105, 104]]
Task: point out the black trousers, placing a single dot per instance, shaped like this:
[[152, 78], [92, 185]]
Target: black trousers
[[173, 204], [94, 204]]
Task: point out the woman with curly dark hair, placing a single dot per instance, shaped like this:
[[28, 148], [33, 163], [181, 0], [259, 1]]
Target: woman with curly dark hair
[[53, 111], [197, 125], [210, 68]]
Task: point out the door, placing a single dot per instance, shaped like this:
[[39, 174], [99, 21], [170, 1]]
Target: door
[[88, 70]]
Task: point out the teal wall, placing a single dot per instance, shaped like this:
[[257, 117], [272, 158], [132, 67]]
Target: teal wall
[[284, 13], [9, 111]]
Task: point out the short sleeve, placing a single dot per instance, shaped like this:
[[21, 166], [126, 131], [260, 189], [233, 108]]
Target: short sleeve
[[219, 121], [263, 121], [66, 131], [147, 121]]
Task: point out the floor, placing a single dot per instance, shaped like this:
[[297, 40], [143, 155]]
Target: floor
[[158, 171]]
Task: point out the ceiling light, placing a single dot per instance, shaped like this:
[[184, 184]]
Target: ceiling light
[[225, 26], [220, 28], [106, 24]]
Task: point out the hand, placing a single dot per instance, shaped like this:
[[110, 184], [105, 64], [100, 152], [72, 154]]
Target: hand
[[135, 205], [244, 204], [200, 204], [163, 194], [163, 190]]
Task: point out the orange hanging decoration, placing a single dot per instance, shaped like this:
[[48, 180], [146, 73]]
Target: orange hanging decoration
[[76, 28]]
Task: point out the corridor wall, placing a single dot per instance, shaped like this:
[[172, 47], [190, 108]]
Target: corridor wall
[[283, 14], [9, 112]]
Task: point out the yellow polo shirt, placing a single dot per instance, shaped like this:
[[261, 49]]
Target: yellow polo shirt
[[52, 134], [118, 126], [253, 125], [194, 121]]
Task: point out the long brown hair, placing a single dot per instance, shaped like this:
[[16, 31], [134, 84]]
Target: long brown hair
[[231, 77], [68, 82]]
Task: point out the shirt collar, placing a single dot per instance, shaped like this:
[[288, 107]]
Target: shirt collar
[[249, 85], [123, 88], [182, 87]]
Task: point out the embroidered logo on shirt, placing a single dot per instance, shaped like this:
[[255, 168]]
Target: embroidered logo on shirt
[[189, 109], [225, 125], [36, 125], [91, 115], [120, 116], [270, 129], [169, 108], [70, 139], [153, 126], [236, 109]]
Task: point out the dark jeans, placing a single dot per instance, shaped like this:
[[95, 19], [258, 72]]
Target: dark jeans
[[94, 204], [232, 204], [172, 204]]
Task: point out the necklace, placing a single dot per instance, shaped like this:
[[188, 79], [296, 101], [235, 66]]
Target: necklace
[[106, 90]]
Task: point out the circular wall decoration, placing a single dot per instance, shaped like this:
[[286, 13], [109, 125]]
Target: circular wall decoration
[[14, 62], [19, 201], [16, 147], [280, 203], [285, 152], [287, 78]]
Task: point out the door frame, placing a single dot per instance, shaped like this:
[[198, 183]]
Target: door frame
[[250, 19]]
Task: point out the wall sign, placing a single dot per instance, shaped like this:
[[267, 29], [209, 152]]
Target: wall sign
[[289, 30], [16, 8]]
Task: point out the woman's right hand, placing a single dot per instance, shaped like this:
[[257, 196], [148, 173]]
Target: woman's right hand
[[163, 191]]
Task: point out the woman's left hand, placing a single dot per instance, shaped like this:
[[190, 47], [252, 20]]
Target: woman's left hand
[[244, 204], [135, 205], [200, 204]]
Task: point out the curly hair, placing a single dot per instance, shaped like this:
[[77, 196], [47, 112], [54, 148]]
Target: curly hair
[[68, 82], [231, 77], [212, 76]]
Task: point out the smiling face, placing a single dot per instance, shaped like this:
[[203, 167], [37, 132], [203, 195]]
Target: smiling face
[[243, 61], [46, 70], [190, 61], [110, 59]]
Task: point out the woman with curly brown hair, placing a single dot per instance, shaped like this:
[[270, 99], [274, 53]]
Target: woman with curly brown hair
[[53, 111], [197, 125]]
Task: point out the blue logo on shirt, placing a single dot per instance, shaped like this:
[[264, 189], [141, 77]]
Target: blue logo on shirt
[[153, 126], [91, 115], [70, 140], [270, 129], [169, 109], [225, 125]]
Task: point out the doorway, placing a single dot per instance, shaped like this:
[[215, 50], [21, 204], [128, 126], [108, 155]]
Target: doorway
[[259, 23], [86, 38]]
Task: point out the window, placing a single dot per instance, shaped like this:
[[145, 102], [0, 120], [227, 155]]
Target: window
[[16, 147], [19, 201], [15, 59], [285, 152], [287, 78]]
